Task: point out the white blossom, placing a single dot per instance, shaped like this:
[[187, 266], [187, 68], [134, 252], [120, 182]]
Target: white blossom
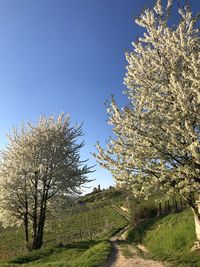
[[40, 164], [156, 147]]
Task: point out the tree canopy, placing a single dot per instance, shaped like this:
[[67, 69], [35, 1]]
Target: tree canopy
[[156, 143], [40, 164]]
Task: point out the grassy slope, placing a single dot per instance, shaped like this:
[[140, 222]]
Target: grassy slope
[[11, 242], [87, 254], [59, 248], [86, 225], [93, 224], [169, 238], [112, 195]]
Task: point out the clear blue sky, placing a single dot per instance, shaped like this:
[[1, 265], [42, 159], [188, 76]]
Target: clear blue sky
[[65, 55]]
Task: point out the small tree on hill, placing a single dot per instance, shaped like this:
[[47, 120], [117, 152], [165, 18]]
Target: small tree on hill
[[157, 136], [41, 163]]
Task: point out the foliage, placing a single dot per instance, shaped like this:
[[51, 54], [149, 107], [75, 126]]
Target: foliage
[[169, 238], [41, 165], [156, 144], [143, 210]]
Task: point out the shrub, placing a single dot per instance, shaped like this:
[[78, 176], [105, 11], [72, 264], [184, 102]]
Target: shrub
[[143, 210]]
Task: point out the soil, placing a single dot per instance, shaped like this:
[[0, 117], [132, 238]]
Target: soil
[[128, 255]]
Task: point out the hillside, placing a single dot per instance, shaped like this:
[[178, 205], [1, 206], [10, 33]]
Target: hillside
[[80, 236], [86, 254], [169, 238], [111, 195], [71, 236]]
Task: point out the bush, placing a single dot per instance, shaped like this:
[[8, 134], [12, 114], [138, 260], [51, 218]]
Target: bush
[[144, 210]]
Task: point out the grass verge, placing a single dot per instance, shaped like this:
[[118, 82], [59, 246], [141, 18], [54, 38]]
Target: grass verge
[[169, 238], [84, 254]]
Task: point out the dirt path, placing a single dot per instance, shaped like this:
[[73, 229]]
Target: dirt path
[[126, 255]]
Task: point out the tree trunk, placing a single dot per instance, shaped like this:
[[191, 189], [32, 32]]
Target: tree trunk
[[196, 212], [39, 219], [26, 231], [40, 232], [176, 204], [35, 211], [160, 209], [165, 207], [38, 240], [38, 237], [26, 219], [195, 207], [181, 203], [174, 207], [168, 207], [197, 225]]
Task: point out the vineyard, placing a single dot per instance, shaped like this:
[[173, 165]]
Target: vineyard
[[89, 224], [86, 225]]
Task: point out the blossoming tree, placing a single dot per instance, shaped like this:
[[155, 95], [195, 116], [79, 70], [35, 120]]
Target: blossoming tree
[[41, 163], [157, 136]]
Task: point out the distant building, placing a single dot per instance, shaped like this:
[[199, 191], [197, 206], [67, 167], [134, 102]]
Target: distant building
[[97, 189]]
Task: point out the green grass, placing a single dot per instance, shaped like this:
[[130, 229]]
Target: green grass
[[112, 195], [91, 224], [11, 242], [95, 256], [72, 238], [85, 254], [169, 238], [77, 238]]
